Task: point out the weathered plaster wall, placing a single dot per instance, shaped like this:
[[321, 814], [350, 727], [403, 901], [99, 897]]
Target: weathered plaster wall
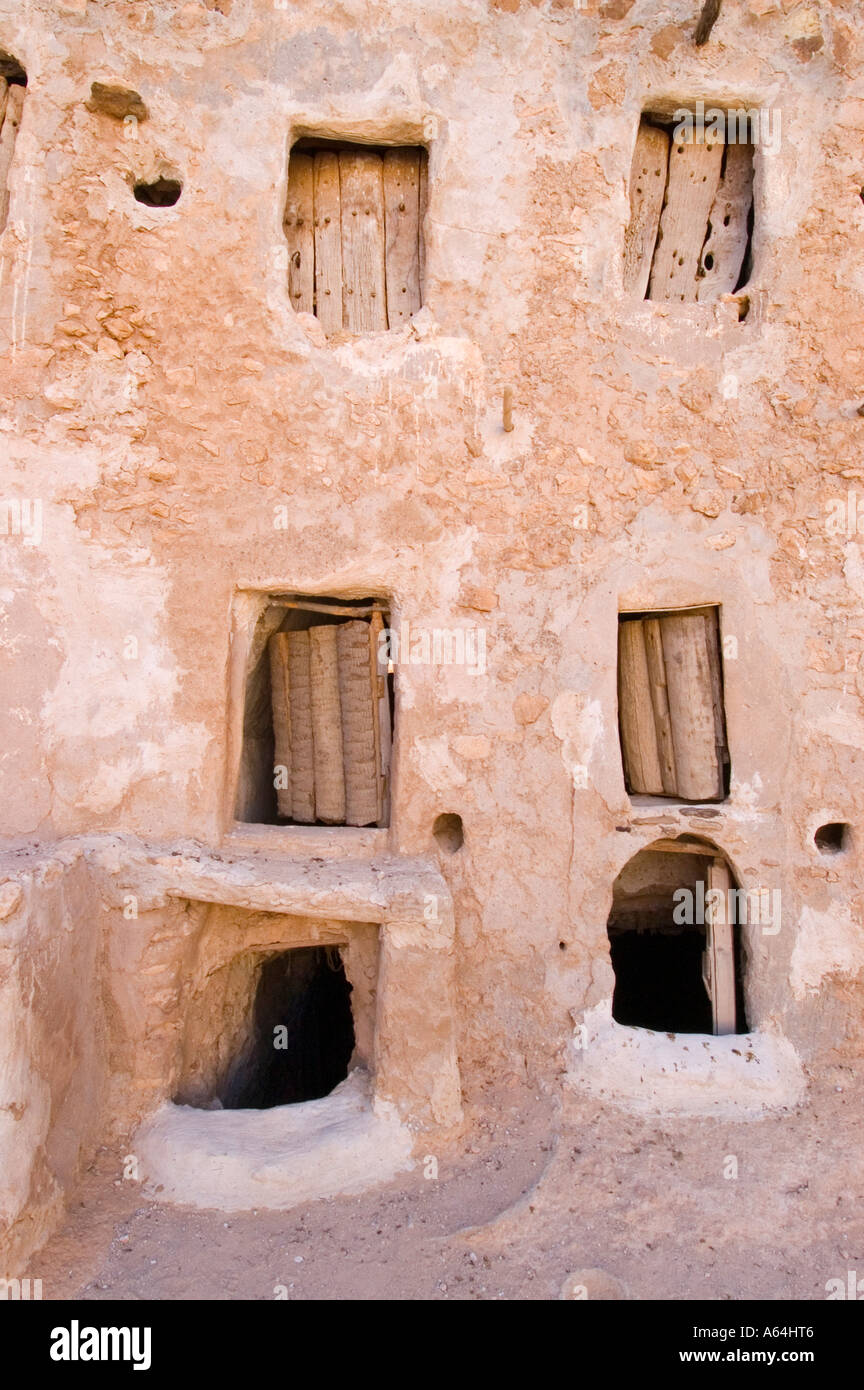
[[162, 400]]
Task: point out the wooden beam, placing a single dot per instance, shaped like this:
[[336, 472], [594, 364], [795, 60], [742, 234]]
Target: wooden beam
[[707, 19], [364, 297], [691, 706], [328, 241], [660, 703], [635, 713], [302, 752], [280, 693], [326, 726], [359, 707], [298, 226], [720, 950], [11, 122], [648, 173], [401, 175], [729, 226], [694, 173]]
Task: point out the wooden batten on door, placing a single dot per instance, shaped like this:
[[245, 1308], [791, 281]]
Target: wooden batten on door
[[353, 222]]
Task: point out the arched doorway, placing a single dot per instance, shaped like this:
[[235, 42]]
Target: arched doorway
[[675, 942]]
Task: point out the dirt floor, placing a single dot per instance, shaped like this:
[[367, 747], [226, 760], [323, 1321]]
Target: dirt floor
[[540, 1190]]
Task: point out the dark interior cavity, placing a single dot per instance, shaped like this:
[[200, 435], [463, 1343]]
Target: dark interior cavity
[[302, 1035], [449, 833], [161, 193]]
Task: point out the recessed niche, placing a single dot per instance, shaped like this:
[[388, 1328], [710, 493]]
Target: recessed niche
[[833, 837], [296, 1040], [671, 712], [318, 714], [691, 208], [674, 942], [353, 222], [448, 832], [160, 193]]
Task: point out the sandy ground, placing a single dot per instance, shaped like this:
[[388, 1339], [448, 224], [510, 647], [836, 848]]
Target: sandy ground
[[541, 1188]]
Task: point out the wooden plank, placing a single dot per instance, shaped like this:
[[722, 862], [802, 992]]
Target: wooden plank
[[340, 610], [280, 693], [691, 706], [726, 245], [328, 241], [401, 175], [380, 685], [326, 726], [364, 296], [712, 634], [680, 847], [421, 224], [648, 174], [298, 226], [636, 712], [719, 963], [694, 173], [660, 703], [11, 122], [4, 96], [359, 707], [302, 751]]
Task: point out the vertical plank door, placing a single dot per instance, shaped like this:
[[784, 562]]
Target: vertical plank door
[[298, 226], [364, 301], [402, 234], [328, 241]]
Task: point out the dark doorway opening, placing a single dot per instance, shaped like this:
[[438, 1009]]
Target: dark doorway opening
[[658, 980], [302, 1034], [675, 942]]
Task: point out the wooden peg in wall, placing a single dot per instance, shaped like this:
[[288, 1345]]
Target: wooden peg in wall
[[508, 408]]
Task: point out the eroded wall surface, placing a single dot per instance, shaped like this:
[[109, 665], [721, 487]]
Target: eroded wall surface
[[187, 436]]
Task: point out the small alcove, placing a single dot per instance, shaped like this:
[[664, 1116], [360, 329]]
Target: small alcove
[[318, 714], [675, 942]]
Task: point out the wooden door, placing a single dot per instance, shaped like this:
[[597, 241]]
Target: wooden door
[[718, 961]]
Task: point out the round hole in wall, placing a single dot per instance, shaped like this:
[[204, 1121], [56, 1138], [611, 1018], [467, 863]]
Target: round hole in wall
[[832, 837], [160, 193], [448, 832]]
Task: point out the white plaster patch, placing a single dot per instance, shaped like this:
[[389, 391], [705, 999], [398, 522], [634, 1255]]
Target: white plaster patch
[[684, 1073], [579, 724], [237, 1160], [431, 757], [826, 942], [177, 757]]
